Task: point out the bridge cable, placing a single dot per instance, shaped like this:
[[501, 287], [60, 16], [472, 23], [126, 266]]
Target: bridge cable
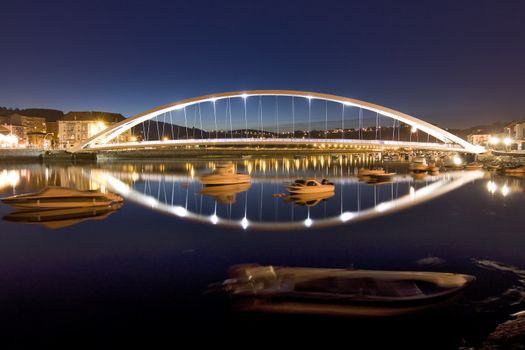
[[394, 131], [342, 121], [171, 123], [377, 122], [186, 123], [293, 117], [163, 124], [230, 114], [200, 120], [215, 119], [309, 118], [360, 121], [260, 110], [325, 119], [157, 124], [194, 120], [277, 113], [245, 117]]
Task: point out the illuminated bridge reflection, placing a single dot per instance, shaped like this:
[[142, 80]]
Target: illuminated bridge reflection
[[264, 203]]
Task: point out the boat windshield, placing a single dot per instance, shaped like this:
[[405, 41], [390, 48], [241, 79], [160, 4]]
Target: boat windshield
[[299, 182]]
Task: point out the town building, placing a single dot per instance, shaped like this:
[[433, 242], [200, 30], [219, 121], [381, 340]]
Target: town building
[[30, 124], [479, 139], [77, 127]]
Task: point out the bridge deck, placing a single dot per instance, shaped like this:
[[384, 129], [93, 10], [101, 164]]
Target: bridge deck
[[319, 143]]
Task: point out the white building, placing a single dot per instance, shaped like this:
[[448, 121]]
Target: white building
[[77, 127]]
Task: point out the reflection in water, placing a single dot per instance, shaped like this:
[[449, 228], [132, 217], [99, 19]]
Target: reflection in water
[[263, 203], [58, 207], [225, 194], [309, 199], [178, 191], [60, 218], [504, 186], [62, 197], [346, 292]]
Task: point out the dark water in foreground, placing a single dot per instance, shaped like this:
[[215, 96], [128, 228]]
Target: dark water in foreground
[[139, 274]]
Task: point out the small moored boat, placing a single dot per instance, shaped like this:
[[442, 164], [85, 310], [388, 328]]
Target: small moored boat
[[311, 186], [224, 174]]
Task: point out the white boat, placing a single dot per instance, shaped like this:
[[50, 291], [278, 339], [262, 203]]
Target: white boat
[[419, 163], [62, 197], [224, 174], [311, 186], [343, 292]]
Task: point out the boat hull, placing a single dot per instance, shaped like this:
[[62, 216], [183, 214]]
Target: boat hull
[[342, 292]]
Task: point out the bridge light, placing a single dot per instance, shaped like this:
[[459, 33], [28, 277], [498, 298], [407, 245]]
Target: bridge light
[[494, 140], [165, 139], [133, 139], [346, 216], [214, 99], [309, 98], [180, 211], [244, 223], [214, 219], [348, 104], [457, 160], [308, 222], [413, 130], [245, 96], [507, 141]]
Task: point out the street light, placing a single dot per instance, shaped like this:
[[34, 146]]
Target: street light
[[494, 140]]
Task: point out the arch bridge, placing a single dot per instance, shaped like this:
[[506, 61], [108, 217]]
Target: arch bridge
[[275, 119]]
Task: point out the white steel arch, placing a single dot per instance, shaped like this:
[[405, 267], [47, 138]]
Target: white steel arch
[[115, 130]]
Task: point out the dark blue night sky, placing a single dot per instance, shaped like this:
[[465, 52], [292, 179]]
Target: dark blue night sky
[[455, 63]]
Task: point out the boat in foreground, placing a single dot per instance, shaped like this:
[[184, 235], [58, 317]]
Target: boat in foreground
[[311, 186], [344, 292], [62, 197]]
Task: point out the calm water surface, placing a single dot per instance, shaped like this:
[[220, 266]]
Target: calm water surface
[[140, 272]]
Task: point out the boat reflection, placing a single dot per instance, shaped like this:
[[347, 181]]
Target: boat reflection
[[60, 218], [57, 207], [341, 292], [225, 194], [309, 199]]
